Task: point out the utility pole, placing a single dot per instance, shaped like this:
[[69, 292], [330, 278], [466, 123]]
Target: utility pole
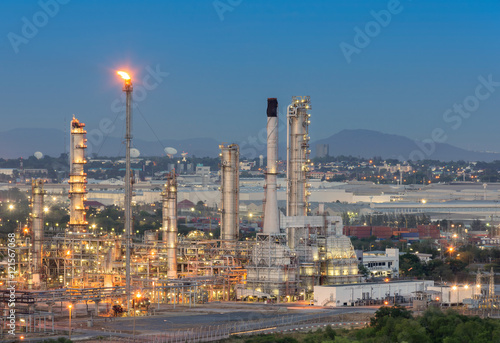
[[127, 88]]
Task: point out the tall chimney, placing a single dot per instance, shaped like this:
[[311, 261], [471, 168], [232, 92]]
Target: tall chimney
[[271, 217], [230, 191]]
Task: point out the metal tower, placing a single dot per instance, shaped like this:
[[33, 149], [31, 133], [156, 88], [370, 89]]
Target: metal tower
[[77, 177], [36, 217]]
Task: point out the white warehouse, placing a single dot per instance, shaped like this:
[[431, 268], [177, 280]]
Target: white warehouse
[[350, 294]]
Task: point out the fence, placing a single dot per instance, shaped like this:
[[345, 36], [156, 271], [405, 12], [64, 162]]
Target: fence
[[212, 333]]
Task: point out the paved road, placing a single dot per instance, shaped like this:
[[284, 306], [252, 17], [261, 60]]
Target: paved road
[[186, 321]]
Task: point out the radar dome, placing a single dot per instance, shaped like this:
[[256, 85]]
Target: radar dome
[[134, 153], [170, 151], [38, 155]]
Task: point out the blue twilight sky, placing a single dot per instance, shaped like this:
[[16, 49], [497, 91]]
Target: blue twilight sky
[[220, 72]]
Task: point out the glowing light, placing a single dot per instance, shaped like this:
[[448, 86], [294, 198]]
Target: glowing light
[[466, 286], [123, 75], [454, 288]]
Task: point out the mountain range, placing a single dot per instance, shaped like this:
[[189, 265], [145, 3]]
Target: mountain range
[[368, 143], [359, 143]]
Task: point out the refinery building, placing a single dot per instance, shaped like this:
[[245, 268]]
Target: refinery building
[[295, 252]]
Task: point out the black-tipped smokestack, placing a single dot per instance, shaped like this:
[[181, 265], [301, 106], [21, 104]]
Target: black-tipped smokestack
[[272, 107]]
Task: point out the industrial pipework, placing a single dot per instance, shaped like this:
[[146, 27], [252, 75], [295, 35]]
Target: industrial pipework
[[77, 177], [230, 159], [271, 217], [169, 197], [36, 216]]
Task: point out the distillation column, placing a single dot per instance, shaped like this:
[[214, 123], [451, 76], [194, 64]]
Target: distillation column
[[77, 177], [230, 159], [169, 196], [297, 161], [271, 216], [298, 156], [36, 215]]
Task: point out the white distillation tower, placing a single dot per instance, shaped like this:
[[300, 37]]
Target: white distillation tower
[[77, 177], [169, 196], [297, 162], [230, 157], [324, 254], [36, 216]]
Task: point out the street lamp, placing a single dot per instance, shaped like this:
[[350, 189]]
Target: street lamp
[[70, 307], [138, 296]]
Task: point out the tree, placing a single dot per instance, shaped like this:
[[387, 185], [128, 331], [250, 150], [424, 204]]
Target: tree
[[117, 309], [385, 312], [410, 265], [408, 330], [363, 270], [476, 225]]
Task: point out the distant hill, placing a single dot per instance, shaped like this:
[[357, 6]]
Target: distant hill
[[360, 143], [25, 142], [368, 143]]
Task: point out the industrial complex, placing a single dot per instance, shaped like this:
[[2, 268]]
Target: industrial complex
[[303, 253]]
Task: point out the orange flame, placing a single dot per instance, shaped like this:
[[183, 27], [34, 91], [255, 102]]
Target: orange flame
[[124, 75]]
